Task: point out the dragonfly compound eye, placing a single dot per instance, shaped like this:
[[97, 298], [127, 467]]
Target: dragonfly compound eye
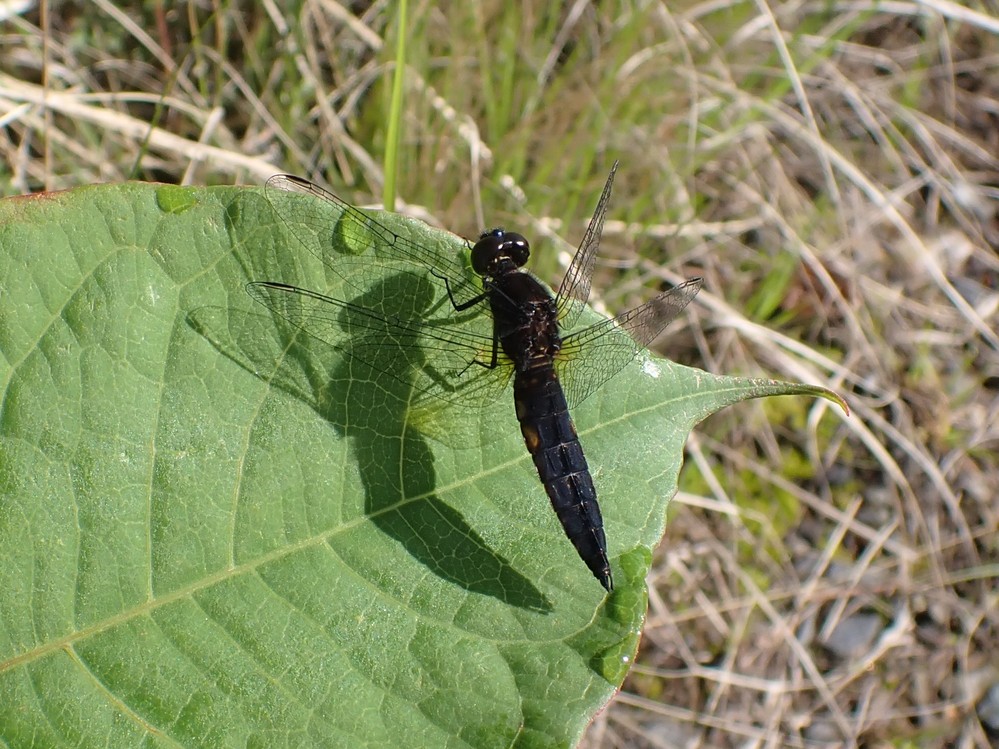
[[499, 252]]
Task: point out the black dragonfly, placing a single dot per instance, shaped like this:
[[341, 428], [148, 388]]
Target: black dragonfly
[[551, 372]]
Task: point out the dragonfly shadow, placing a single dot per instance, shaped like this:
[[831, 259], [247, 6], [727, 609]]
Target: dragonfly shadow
[[365, 391]]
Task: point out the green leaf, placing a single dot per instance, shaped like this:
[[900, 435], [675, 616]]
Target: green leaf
[[216, 532]]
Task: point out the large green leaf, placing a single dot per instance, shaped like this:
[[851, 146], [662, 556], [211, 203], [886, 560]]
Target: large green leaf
[[214, 533]]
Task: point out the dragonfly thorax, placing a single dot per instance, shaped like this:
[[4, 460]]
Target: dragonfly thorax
[[499, 252]]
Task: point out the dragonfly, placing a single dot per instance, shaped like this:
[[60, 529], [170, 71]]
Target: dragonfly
[[552, 371]]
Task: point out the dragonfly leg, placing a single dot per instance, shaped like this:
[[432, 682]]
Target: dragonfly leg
[[493, 360], [459, 306]]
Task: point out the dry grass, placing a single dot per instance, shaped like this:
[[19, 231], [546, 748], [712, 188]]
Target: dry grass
[[829, 168]]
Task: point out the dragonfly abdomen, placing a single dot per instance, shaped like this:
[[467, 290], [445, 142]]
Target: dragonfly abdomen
[[551, 439]]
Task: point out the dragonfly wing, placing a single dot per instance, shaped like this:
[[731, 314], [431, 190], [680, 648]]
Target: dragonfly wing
[[591, 356], [575, 287], [347, 239], [421, 354]]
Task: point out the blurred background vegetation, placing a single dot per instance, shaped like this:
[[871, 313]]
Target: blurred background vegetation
[[829, 168]]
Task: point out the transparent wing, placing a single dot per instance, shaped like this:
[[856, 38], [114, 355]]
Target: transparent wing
[[337, 233], [575, 287], [591, 356], [422, 354]]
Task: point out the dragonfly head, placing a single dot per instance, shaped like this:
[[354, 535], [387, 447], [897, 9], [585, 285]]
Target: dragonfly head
[[499, 252]]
